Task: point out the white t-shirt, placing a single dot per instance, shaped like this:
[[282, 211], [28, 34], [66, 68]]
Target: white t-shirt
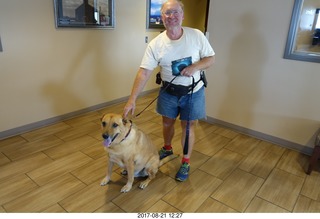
[[162, 51]]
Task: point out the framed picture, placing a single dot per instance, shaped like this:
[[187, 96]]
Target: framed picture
[[154, 14], [84, 13]]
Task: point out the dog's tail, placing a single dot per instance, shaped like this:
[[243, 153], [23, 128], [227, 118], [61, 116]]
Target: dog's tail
[[168, 158]]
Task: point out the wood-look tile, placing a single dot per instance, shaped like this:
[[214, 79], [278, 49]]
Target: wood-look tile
[[95, 151], [162, 206], [191, 194], [222, 163], [243, 144], [56, 208], [2, 210], [149, 127], [157, 119], [157, 141], [212, 206], [311, 186], [92, 171], [230, 172], [196, 161], [15, 187], [93, 196], [281, 188], [11, 142], [259, 205], [228, 133], [294, 162], [262, 159], [70, 147], [32, 147], [76, 132], [203, 129], [138, 200], [24, 165], [238, 190], [45, 131], [57, 168], [3, 159], [109, 207], [45, 196], [211, 144], [96, 134], [306, 205]]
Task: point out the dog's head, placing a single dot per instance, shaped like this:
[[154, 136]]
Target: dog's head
[[115, 129]]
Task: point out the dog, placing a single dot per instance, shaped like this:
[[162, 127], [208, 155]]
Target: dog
[[131, 149]]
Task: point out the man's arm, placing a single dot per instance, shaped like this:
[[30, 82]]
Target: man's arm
[[202, 64], [140, 81]]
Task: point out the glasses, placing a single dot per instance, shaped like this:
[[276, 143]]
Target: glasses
[[173, 12]]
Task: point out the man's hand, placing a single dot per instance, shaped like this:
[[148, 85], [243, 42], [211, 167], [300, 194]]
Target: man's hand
[[189, 71], [130, 106]]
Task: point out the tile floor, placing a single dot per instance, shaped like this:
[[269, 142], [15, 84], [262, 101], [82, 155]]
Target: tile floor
[[58, 168]]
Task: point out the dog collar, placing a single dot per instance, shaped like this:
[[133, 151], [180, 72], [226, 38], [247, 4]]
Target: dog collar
[[127, 133]]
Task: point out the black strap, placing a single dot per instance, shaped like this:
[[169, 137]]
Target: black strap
[[155, 98], [165, 87], [186, 142]]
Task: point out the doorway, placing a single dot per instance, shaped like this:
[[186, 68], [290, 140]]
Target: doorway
[[196, 14]]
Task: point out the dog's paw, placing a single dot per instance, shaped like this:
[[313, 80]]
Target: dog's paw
[[126, 188], [105, 181], [144, 184]]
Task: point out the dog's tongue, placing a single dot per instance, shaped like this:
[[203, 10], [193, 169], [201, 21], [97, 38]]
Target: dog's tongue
[[107, 142]]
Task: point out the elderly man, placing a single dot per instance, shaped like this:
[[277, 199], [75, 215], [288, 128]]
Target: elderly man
[[182, 53]]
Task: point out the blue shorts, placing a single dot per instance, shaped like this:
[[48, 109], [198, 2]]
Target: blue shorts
[[171, 106]]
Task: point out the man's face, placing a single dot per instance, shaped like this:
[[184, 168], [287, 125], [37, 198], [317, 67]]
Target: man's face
[[172, 15]]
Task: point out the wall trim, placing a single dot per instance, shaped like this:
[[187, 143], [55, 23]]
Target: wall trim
[[259, 135], [56, 119], [262, 136]]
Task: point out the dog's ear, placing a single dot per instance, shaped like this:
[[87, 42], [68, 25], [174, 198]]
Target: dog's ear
[[102, 117], [103, 123]]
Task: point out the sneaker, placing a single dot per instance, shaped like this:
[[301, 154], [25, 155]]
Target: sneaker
[[164, 153], [183, 172]]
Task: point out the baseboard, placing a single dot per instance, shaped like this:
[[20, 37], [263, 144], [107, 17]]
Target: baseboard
[[275, 140], [262, 136], [53, 120]]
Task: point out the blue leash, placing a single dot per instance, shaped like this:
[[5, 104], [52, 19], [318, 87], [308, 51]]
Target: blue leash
[[186, 142]]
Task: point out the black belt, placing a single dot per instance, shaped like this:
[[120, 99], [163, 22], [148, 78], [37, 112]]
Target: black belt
[[180, 90], [176, 90]]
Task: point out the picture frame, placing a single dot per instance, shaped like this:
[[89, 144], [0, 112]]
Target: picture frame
[[154, 20], [84, 14]]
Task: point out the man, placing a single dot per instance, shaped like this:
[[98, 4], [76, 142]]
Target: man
[[189, 48]]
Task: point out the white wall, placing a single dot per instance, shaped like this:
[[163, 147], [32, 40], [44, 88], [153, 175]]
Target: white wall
[[46, 72], [251, 85]]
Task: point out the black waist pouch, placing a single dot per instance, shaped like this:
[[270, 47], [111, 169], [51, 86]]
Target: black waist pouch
[[176, 90], [180, 90]]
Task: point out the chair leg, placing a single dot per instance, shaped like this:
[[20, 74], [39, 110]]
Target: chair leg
[[314, 158]]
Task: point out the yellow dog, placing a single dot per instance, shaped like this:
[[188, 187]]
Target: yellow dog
[[131, 149]]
